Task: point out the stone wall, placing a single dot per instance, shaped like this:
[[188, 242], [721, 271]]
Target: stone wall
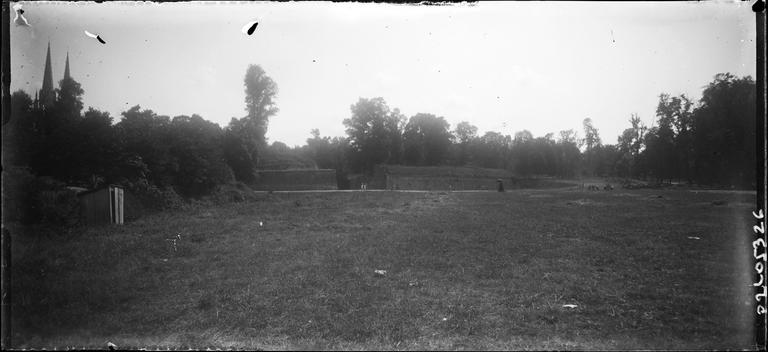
[[444, 178]]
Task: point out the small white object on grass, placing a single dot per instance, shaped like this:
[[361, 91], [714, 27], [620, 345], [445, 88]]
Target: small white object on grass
[[380, 272], [261, 223], [569, 306], [693, 238]]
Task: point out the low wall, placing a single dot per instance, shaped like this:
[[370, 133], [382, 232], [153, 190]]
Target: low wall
[[442, 183], [443, 178], [296, 180]]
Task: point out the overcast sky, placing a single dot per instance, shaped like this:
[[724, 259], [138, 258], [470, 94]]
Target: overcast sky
[[502, 66]]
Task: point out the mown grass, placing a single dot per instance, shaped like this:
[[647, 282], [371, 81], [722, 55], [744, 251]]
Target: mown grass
[[463, 271]]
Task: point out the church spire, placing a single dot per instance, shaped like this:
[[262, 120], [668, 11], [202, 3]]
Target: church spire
[[66, 67], [47, 93]]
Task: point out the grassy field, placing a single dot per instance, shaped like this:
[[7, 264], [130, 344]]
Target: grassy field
[[463, 271]]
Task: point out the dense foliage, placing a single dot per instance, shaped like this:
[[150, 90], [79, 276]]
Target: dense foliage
[[709, 142]]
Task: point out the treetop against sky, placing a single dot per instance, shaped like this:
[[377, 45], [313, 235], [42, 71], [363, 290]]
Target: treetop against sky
[[504, 66]]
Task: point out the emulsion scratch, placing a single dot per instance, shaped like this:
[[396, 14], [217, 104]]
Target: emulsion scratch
[[20, 20], [250, 27], [94, 36]]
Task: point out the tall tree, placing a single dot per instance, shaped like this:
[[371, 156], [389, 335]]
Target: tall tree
[[675, 121], [591, 135], [260, 92], [492, 150], [144, 138], [426, 139], [567, 154], [630, 143], [464, 134], [19, 132], [724, 128], [69, 102], [395, 124], [244, 137], [371, 132], [59, 135], [591, 143], [97, 149], [198, 157]]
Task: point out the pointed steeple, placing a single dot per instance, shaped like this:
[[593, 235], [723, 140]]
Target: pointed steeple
[[47, 93], [66, 67]]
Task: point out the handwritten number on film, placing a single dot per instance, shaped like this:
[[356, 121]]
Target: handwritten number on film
[[759, 266]]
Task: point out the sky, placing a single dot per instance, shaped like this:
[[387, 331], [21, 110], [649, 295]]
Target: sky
[[502, 66]]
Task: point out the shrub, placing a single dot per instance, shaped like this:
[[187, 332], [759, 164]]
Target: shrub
[[233, 193], [54, 204], [152, 197], [38, 200]]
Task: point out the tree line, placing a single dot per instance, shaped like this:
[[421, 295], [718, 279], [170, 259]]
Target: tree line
[[143, 151], [709, 142]]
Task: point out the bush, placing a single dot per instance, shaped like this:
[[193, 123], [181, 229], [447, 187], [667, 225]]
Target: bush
[[16, 195], [54, 204], [38, 200], [152, 197], [233, 193]]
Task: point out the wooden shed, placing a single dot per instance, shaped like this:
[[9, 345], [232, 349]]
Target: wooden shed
[[102, 206]]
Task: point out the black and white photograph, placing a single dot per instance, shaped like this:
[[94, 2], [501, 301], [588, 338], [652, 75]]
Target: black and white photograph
[[490, 175]]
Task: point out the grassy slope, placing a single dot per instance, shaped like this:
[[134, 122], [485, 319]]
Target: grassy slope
[[464, 271]]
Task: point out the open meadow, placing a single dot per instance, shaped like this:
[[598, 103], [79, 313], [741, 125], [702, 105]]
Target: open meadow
[[642, 269]]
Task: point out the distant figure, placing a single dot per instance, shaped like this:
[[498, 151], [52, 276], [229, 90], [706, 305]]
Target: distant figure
[[608, 187], [363, 186], [500, 185]]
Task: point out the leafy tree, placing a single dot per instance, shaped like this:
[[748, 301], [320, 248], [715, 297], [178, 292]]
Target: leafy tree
[[426, 139], [97, 148], [675, 120], [279, 156], [260, 92], [522, 137], [465, 132], [69, 103], [321, 150], [567, 154], [395, 124], [570, 137], [241, 148], [371, 131], [464, 135], [330, 153], [198, 157], [19, 131], [724, 132], [605, 160], [630, 143], [144, 138], [591, 142], [591, 135], [54, 152], [244, 137], [492, 150]]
